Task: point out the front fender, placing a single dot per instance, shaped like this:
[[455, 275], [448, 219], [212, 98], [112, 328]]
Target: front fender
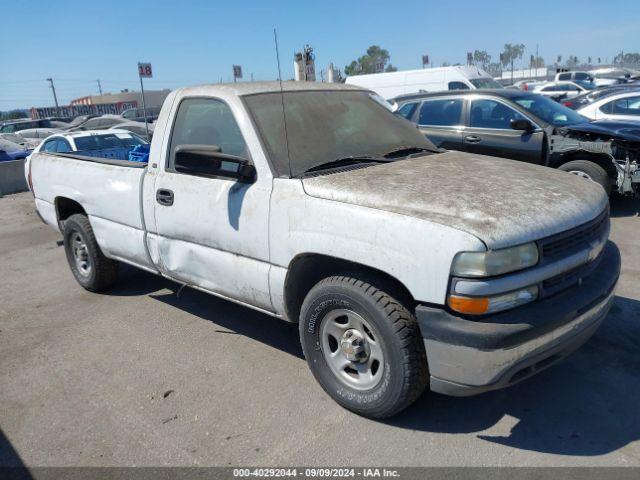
[[416, 252]]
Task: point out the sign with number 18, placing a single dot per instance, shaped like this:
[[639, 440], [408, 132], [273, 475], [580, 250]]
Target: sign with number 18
[[144, 70]]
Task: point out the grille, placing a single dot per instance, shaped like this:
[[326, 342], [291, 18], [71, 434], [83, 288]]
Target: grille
[[566, 243], [567, 278]]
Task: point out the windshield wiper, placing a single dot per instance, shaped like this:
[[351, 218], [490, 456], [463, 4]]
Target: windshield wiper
[[406, 151], [341, 162]]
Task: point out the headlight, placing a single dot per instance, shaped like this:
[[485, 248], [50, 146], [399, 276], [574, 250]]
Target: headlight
[[495, 262], [493, 304]]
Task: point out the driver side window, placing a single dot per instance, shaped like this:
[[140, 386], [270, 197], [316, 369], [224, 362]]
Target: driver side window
[[492, 114], [206, 121]]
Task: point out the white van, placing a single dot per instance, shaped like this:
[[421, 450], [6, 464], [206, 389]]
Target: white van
[[392, 84]]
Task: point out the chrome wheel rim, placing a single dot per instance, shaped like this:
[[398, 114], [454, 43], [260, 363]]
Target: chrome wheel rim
[[80, 254], [582, 174], [352, 349]]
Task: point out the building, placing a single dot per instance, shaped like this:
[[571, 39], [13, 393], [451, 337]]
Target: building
[[108, 103], [152, 98]]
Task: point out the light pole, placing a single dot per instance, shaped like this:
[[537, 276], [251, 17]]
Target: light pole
[[55, 98]]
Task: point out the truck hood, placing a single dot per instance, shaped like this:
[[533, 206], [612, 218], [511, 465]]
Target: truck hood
[[501, 202]]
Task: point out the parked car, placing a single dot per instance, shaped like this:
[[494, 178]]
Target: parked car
[[137, 114], [585, 99], [17, 125], [60, 119], [586, 77], [562, 90], [392, 84], [26, 143], [621, 105], [79, 120], [527, 85], [59, 125], [35, 135], [619, 74], [12, 151], [111, 144], [403, 265], [532, 128], [136, 127], [99, 123]]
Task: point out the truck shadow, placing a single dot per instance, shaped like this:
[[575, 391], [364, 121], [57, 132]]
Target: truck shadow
[[11, 465], [236, 319], [625, 206], [584, 406]]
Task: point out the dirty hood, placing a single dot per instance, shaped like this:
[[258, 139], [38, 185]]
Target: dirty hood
[[502, 202]]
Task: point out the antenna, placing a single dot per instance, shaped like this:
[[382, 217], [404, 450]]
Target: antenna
[[284, 114]]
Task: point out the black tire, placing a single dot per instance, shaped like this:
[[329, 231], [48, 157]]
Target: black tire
[[101, 272], [405, 372], [593, 172]]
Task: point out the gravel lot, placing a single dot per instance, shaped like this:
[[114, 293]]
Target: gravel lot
[[141, 376]]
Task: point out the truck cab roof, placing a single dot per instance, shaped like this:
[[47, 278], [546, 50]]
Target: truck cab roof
[[252, 88]]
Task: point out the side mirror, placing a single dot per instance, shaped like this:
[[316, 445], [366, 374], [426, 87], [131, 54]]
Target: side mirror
[[522, 124], [209, 161]]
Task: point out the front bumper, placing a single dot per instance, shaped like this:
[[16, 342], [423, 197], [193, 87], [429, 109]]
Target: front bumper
[[468, 356]]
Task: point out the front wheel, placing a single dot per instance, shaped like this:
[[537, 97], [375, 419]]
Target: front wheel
[[89, 266], [363, 346], [590, 171]]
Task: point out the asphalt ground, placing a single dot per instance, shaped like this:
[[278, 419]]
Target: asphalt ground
[[143, 376]]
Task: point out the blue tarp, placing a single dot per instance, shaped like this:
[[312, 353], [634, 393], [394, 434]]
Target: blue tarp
[[139, 153]]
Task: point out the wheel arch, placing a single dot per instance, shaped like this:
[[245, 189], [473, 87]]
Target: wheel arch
[[65, 207], [307, 269], [602, 160]]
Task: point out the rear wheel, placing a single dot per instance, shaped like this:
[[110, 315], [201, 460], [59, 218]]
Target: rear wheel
[[363, 346], [589, 170], [89, 266]]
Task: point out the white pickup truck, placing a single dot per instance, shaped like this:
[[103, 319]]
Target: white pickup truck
[[405, 266]]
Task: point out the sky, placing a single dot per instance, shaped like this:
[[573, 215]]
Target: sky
[[193, 42]]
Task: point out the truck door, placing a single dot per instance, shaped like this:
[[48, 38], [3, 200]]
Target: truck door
[[440, 120], [489, 132], [212, 232]]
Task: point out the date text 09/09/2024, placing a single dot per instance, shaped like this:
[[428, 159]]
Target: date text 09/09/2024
[[315, 472]]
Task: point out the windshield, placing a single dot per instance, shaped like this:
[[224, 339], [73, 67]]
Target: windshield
[[323, 126], [549, 110], [112, 140], [485, 83]]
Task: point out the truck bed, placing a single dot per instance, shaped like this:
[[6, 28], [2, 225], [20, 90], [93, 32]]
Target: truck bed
[[109, 191]]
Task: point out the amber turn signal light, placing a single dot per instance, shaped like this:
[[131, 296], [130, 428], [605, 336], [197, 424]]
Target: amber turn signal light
[[472, 306]]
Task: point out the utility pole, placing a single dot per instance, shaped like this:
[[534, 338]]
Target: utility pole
[[99, 87], [55, 98]]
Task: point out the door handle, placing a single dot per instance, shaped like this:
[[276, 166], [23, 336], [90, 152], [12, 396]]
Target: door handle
[[472, 139], [164, 197]]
